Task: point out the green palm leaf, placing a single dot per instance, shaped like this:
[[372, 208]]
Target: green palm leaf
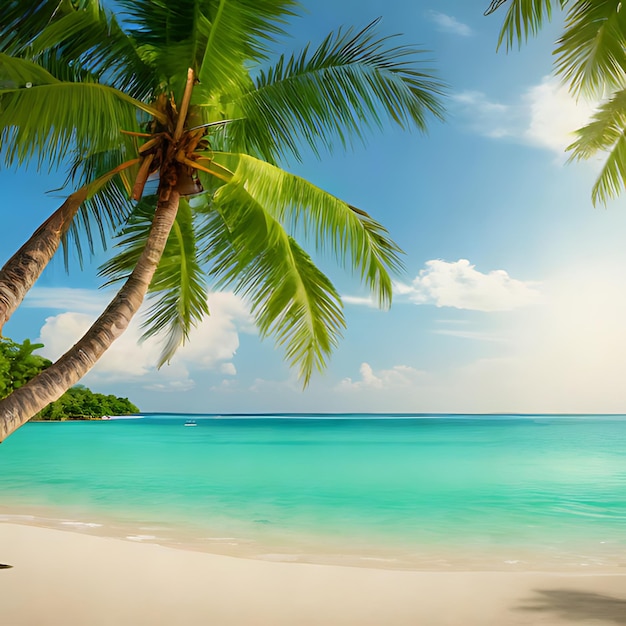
[[94, 40], [352, 235], [81, 36], [178, 290], [605, 133], [291, 299], [237, 34], [523, 18], [102, 214], [108, 207], [46, 118], [591, 53], [213, 37], [171, 35], [23, 21], [349, 83]]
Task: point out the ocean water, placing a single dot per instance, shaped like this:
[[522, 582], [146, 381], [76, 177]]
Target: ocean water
[[441, 492]]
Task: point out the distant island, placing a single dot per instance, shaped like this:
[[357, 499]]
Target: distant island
[[18, 365], [79, 403]]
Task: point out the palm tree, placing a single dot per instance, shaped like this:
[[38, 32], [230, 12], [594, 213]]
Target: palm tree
[[591, 60], [172, 125]]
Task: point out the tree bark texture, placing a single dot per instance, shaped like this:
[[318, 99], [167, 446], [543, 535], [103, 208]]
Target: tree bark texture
[[22, 270], [53, 382]]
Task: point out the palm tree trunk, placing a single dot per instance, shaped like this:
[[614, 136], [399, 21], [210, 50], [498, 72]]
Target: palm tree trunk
[[22, 270], [53, 382]]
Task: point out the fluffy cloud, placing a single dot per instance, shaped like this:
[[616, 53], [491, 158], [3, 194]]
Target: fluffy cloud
[[545, 116], [565, 356], [212, 345], [449, 24], [462, 286], [228, 369], [397, 377], [554, 115]]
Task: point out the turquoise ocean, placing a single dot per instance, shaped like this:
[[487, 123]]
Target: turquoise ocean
[[436, 492]]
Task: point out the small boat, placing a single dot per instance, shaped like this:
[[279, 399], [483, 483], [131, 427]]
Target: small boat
[[190, 423]]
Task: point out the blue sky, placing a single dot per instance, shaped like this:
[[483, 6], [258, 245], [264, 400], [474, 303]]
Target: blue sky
[[513, 294]]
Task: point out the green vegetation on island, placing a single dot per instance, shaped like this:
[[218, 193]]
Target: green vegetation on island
[[18, 364], [81, 403]]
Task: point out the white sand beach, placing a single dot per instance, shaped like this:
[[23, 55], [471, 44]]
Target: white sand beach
[[63, 578]]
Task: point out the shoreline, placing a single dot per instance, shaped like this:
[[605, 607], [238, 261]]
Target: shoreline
[[287, 546], [71, 579]]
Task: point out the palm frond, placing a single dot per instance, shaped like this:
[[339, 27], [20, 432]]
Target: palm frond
[[100, 213], [351, 82], [106, 206], [605, 133], [178, 290], [291, 299], [591, 55], [494, 6], [48, 119], [94, 40], [351, 235], [210, 36], [81, 35], [238, 32], [22, 21], [524, 18], [16, 73]]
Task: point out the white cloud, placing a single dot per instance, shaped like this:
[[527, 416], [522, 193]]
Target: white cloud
[[449, 24], [228, 386], [546, 116], [212, 345], [462, 286], [276, 387], [228, 368], [554, 115], [486, 117], [64, 298], [566, 356], [480, 101], [475, 99], [172, 386], [468, 334], [126, 360], [360, 301], [399, 376]]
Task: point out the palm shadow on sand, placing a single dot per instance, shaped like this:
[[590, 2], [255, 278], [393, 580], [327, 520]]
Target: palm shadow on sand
[[575, 605]]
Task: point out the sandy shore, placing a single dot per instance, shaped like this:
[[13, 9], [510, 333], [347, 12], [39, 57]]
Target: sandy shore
[[70, 579]]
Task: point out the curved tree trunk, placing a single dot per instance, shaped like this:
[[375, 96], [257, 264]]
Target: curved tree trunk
[[22, 270], [54, 381]]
